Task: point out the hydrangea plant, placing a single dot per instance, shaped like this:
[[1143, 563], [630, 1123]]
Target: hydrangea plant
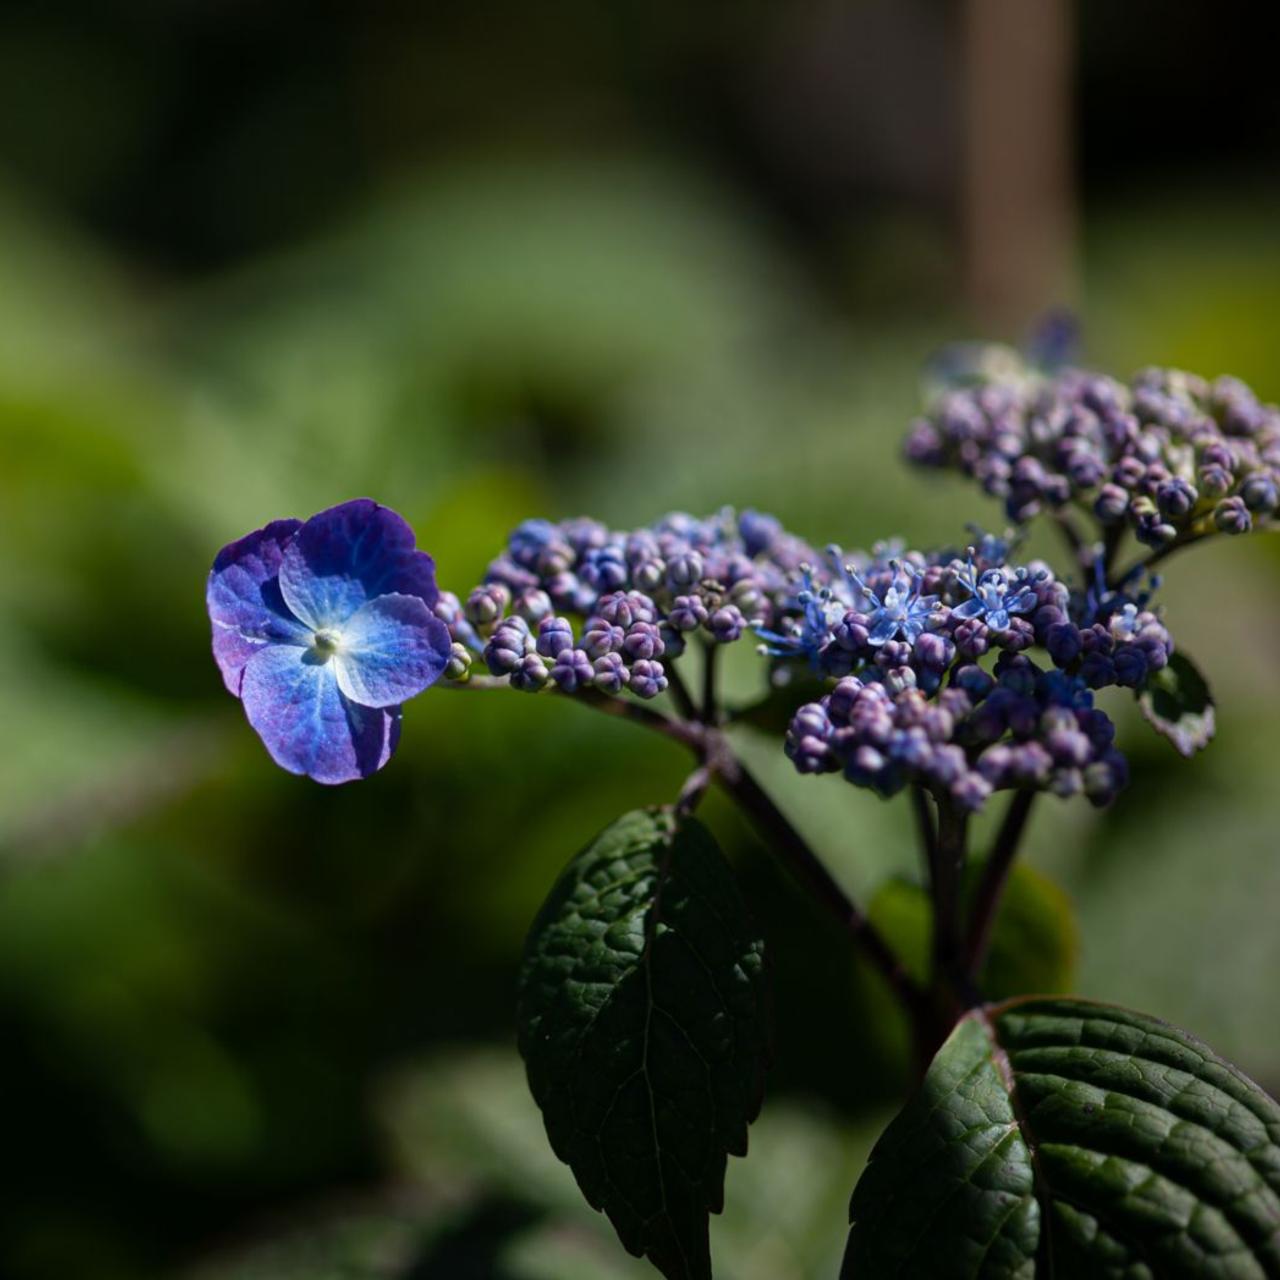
[[1048, 1136]]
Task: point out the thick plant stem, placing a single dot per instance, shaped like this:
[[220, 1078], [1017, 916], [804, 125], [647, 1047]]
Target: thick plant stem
[[995, 875], [948, 867], [926, 828]]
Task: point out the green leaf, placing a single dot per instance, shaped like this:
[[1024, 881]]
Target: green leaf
[[1065, 1138], [642, 1029], [1179, 705], [1034, 947]]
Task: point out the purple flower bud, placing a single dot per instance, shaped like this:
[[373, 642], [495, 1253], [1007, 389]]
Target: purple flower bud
[[486, 604], [643, 640], [688, 613], [530, 674], [508, 646], [1069, 747], [970, 791], [758, 531], [648, 679], [1097, 670], [972, 639], [573, 670], [934, 652], [532, 604], [1131, 666], [1215, 481], [648, 575], [1176, 498], [1232, 516], [684, 570], [554, 636], [611, 674], [602, 637], [623, 608], [842, 699], [726, 624], [974, 681], [1260, 493], [1063, 642]]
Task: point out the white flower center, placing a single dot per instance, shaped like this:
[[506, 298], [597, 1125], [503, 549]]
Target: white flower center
[[326, 643]]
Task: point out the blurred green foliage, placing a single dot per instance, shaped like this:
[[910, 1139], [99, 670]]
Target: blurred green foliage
[[209, 968]]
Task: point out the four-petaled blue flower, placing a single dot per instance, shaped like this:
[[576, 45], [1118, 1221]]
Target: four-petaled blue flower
[[902, 610], [994, 596], [820, 611], [322, 629]]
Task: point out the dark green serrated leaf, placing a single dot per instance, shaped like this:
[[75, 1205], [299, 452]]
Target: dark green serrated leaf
[[1064, 1139], [643, 1033], [1179, 705]]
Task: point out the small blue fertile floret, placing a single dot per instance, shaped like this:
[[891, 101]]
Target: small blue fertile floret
[[323, 629]]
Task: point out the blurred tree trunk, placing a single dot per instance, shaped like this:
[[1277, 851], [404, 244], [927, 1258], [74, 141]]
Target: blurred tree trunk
[[1017, 177]]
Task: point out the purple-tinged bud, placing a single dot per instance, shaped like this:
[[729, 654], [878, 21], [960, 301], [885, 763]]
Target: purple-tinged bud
[[974, 681], [458, 668], [972, 639], [947, 765], [900, 679], [573, 670], [1232, 516], [1214, 481], [758, 531], [970, 792], [1066, 782], [532, 604], [554, 636], [934, 652], [648, 575], [1097, 670], [508, 646], [605, 568], [747, 596], [602, 638], [956, 703], [486, 604], [1104, 778], [685, 570], [850, 633], [1128, 472], [842, 699], [1131, 666], [688, 613], [808, 740], [643, 640], [648, 679], [1260, 493], [530, 674], [1176, 498], [1069, 747], [1098, 727], [1063, 643], [623, 608], [1029, 763], [726, 624], [1111, 504], [1217, 453], [611, 674]]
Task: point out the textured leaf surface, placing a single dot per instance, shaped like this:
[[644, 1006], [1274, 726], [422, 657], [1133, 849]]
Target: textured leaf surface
[[642, 1030], [1179, 705], [1062, 1138]]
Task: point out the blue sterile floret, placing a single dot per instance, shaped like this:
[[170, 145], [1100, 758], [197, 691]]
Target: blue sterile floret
[[322, 629]]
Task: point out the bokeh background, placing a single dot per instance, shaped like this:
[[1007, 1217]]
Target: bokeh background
[[490, 260]]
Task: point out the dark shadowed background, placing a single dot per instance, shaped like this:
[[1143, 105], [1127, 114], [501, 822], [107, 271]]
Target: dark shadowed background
[[491, 260]]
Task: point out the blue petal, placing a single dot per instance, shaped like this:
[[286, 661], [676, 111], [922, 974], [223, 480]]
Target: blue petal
[[971, 608], [1024, 600], [998, 620], [392, 648], [244, 600], [884, 626], [349, 554], [912, 629], [293, 702]]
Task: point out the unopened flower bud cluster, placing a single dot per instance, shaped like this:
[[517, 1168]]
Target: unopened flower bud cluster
[[1167, 455]]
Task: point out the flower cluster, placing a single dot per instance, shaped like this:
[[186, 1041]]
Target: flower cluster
[[575, 605], [1167, 455], [908, 635]]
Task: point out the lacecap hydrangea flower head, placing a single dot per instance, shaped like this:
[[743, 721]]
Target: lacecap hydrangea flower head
[[322, 629]]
